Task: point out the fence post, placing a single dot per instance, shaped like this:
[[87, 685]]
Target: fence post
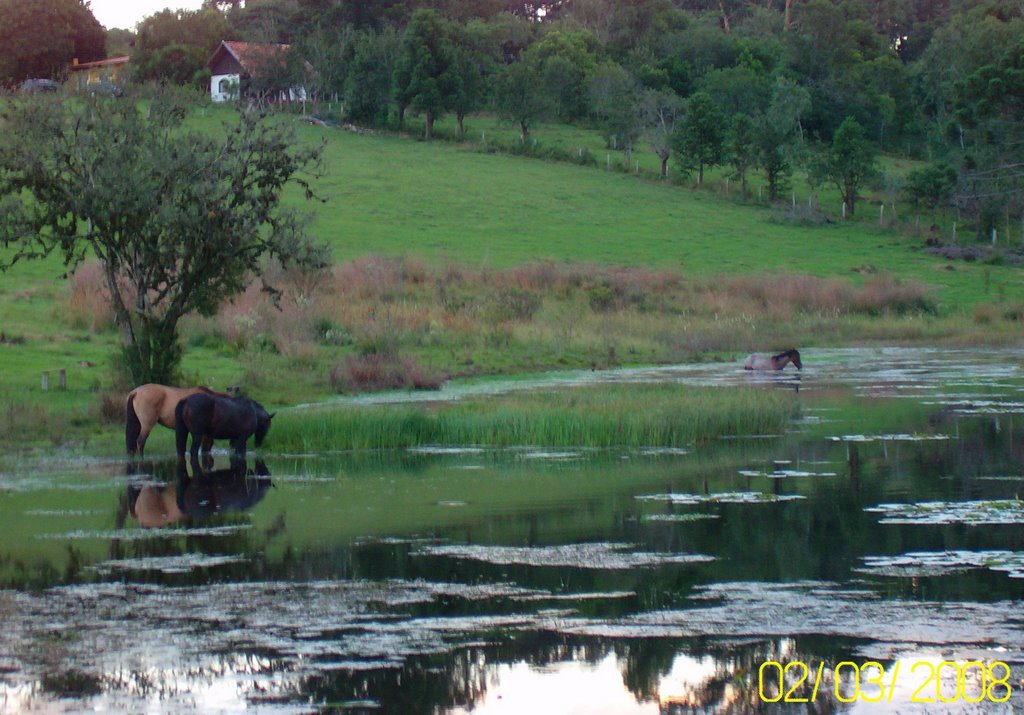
[[46, 380]]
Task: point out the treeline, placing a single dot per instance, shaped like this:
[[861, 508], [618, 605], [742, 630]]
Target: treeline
[[773, 86]]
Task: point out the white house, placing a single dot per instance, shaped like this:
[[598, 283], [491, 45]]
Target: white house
[[234, 65]]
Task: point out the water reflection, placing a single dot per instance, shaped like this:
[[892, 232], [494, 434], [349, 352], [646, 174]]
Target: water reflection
[[884, 528], [203, 494]]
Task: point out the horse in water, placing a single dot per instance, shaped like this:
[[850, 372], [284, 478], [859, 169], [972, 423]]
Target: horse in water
[[209, 416], [773, 362], [149, 405]]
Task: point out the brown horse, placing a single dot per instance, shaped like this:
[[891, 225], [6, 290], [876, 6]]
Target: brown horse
[[151, 404], [773, 362]]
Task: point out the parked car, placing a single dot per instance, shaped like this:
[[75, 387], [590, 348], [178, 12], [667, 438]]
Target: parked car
[[36, 85]]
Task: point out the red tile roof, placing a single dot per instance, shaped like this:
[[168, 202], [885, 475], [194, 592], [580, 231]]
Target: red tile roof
[[251, 54]]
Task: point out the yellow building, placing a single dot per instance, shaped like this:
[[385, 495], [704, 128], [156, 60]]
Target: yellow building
[[86, 74]]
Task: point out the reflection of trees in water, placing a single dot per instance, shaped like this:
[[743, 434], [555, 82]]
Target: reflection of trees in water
[[423, 685], [429, 684]]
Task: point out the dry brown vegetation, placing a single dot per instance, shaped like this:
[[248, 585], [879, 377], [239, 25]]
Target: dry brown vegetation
[[383, 322]]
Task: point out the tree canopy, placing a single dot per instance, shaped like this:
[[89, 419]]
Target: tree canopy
[[849, 162], [933, 79], [180, 221], [42, 37]]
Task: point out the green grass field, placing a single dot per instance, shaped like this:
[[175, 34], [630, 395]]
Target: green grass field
[[443, 205], [399, 196]]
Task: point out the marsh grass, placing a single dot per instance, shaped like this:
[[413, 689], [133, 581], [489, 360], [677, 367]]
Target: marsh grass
[[589, 417], [397, 322]]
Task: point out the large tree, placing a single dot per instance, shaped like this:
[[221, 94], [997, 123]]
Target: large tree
[[173, 46], [990, 114], [698, 141], [614, 100], [741, 147], [180, 220], [659, 113], [368, 81], [42, 37], [470, 65], [520, 96], [849, 162], [425, 78]]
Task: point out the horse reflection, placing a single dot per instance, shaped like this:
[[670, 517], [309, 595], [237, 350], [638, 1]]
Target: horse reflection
[[204, 494]]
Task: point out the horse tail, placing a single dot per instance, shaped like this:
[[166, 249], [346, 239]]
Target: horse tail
[[180, 430], [132, 427]]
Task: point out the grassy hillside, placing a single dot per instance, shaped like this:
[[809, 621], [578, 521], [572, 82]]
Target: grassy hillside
[[394, 195], [506, 264]]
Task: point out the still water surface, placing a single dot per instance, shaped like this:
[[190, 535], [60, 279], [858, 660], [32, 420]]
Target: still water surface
[[885, 527]]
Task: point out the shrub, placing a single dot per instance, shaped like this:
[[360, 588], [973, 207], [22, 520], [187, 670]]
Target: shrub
[[88, 304], [514, 304], [328, 333], [602, 297], [374, 372], [111, 407], [985, 313], [1014, 312]]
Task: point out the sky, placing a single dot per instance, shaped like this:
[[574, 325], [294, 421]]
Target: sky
[[126, 13]]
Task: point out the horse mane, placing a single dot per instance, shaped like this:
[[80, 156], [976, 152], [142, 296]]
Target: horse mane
[[784, 353], [211, 391]]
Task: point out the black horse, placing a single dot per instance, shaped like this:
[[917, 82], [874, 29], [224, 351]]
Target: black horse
[[208, 416]]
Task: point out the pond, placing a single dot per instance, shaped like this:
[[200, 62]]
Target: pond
[[870, 559]]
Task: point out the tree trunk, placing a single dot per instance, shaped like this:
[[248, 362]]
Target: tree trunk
[[155, 353], [664, 166], [461, 116], [786, 23], [524, 132], [725, 17], [428, 125], [700, 174], [121, 315]]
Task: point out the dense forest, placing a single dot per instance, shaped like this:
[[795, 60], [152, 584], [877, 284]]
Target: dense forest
[[772, 86]]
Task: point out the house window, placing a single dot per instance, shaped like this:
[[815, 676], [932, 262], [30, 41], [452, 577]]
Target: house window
[[225, 87]]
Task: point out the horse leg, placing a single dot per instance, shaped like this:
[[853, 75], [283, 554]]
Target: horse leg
[[140, 443], [207, 444], [181, 437], [197, 440], [238, 446], [181, 485]]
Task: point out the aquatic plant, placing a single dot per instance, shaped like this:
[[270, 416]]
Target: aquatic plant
[[605, 416]]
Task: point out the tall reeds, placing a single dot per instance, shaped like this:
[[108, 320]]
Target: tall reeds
[[589, 417]]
